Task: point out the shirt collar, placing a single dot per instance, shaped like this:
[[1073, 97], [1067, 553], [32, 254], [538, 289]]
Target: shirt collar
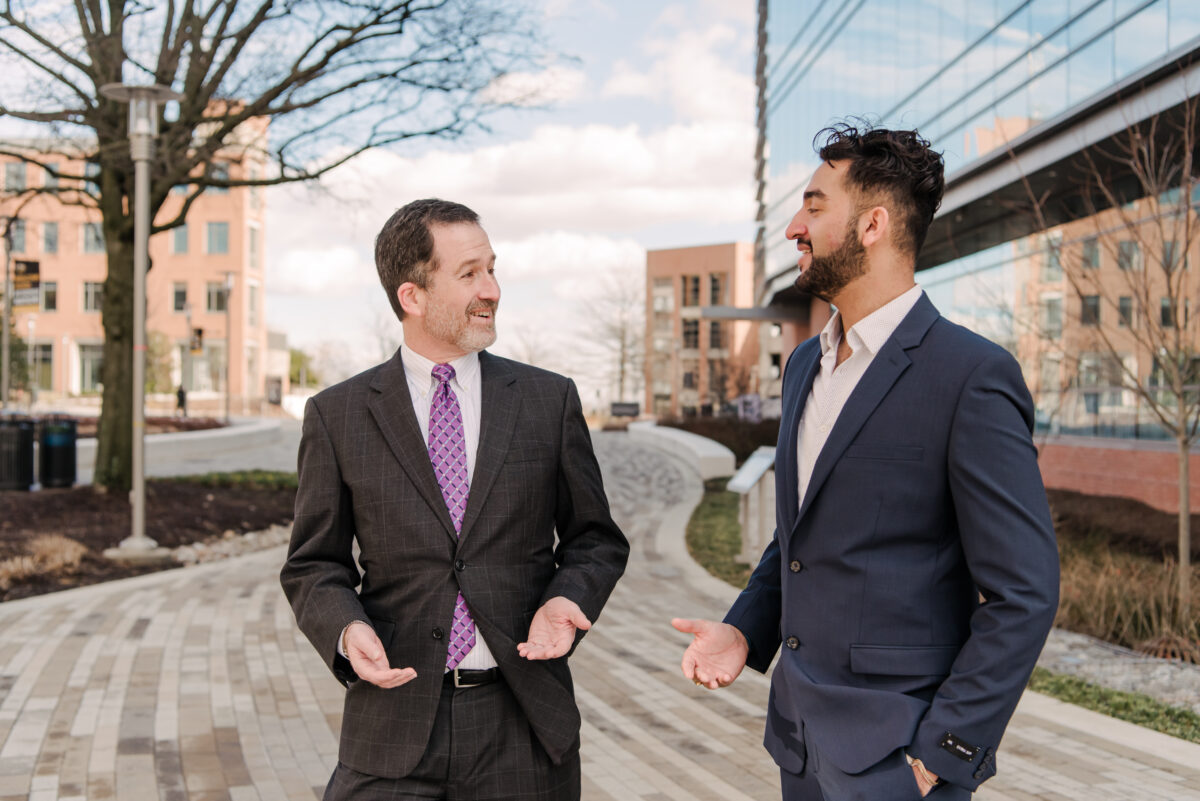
[[419, 370], [872, 331]]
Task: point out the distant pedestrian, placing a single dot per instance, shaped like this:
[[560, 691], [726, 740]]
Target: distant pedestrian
[[181, 402]]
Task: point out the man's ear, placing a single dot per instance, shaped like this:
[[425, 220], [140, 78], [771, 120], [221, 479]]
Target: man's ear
[[875, 226], [412, 299]]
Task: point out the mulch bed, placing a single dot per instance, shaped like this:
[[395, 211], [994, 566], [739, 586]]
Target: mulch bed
[[177, 513], [1125, 524]]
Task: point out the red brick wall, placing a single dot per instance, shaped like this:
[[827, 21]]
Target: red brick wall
[[1146, 471]]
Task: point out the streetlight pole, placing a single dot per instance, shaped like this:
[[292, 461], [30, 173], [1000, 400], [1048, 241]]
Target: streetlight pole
[[228, 341], [143, 130], [5, 343]]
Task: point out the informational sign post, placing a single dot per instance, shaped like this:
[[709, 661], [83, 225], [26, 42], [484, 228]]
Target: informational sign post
[[26, 285]]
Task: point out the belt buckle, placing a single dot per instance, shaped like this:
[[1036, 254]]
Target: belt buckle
[[457, 682]]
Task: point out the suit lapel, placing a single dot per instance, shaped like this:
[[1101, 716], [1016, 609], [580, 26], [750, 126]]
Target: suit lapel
[[886, 368], [499, 405], [391, 406], [786, 453]]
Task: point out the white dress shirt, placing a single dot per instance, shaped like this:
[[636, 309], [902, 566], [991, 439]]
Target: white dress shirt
[[834, 383], [467, 388]]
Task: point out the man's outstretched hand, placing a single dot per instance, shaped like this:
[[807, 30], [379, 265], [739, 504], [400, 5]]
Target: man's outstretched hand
[[367, 657], [717, 654], [553, 629]]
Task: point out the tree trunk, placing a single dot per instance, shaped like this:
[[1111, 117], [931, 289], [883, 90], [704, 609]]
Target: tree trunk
[[114, 436], [1185, 534]]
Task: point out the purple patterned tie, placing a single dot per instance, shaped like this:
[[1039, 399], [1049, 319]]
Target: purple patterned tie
[[448, 453]]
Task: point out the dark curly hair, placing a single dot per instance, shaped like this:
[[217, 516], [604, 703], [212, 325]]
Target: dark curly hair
[[899, 165], [404, 248]]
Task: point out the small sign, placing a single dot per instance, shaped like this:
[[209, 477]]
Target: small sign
[[27, 292], [625, 409], [196, 344]]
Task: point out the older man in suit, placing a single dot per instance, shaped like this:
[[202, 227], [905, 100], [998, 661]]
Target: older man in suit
[[453, 470], [913, 575]]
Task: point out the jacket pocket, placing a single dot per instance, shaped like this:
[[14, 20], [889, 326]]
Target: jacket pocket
[[903, 660], [907, 453]]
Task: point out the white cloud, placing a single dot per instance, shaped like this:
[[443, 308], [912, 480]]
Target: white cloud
[[704, 74]]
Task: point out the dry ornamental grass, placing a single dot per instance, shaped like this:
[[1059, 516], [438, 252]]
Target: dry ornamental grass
[[48, 554]]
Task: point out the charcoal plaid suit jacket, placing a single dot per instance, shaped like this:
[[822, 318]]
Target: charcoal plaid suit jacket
[[365, 476]]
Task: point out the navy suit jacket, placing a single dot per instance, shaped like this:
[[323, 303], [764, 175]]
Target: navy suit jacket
[[915, 585]]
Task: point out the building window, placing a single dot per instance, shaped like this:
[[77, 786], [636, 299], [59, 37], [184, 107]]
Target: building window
[[43, 365], [1052, 317], [691, 333], [218, 238], [255, 263], [1170, 256], [179, 239], [776, 330], [217, 297], [49, 296], [690, 380], [663, 294], [1129, 255], [1091, 310], [252, 303], [1167, 313], [691, 290], [91, 367], [1052, 263], [16, 231], [1089, 255], [91, 171], [50, 237], [93, 238], [50, 179], [14, 176], [716, 289], [93, 296], [776, 366], [1125, 311], [715, 338], [218, 171], [179, 296]]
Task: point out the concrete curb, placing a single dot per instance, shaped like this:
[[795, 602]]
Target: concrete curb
[[708, 458]]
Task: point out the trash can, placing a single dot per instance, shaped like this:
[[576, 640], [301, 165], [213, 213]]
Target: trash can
[[16, 452], [56, 451]]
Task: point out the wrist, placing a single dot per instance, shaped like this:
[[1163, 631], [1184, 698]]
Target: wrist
[[345, 631]]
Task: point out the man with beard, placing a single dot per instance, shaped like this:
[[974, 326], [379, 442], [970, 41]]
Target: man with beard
[[913, 576], [452, 470]]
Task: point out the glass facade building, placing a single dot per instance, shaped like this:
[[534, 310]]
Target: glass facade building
[[973, 76]]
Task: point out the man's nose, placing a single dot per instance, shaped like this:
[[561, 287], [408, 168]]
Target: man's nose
[[795, 229], [490, 288]]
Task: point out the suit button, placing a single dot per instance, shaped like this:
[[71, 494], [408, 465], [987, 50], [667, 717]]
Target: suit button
[[437, 632], [795, 566], [792, 643], [460, 565]]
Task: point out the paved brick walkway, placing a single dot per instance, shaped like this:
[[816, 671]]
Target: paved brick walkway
[[195, 685]]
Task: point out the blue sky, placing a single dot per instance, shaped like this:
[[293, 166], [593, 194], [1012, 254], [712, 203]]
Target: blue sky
[[648, 144]]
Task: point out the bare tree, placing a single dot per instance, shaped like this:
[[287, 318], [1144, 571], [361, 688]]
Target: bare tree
[[1127, 263], [331, 78], [613, 332]]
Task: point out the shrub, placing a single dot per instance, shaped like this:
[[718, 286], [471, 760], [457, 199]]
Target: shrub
[[741, 437]]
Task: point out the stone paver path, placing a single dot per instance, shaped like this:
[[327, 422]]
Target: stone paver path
[[194, 685]]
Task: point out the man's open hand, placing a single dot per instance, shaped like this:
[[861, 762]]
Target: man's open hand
[[553, 629], [367, 657], [717, 653]]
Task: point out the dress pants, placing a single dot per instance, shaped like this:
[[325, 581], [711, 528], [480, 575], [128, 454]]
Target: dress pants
[[891, 779], [481, 749]]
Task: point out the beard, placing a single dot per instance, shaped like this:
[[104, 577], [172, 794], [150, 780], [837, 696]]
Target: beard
[[458, 329], [828, 275]]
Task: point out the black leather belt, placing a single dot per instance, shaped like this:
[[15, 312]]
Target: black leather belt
[[460, 677]]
